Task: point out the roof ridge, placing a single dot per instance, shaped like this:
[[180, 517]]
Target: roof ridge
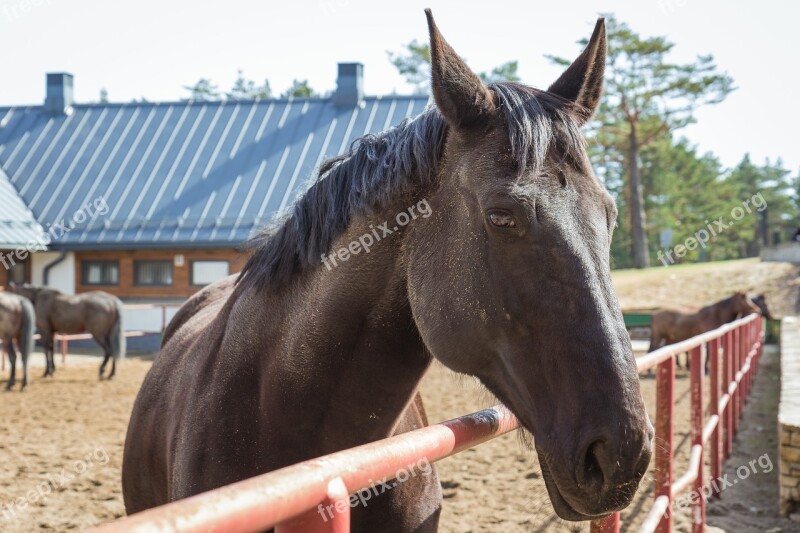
[[222, 101]]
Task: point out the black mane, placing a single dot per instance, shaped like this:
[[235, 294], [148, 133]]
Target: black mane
[[379, 168]]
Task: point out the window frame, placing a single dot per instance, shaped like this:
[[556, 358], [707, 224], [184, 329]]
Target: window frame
[[87, 263], [137, 265], [191, 270]]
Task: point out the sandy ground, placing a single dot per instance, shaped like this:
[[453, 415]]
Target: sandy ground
[[749, 505], [61, 440], [61, 447], [52, 435]]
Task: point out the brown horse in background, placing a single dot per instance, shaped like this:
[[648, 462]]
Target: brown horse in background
[[17, 322], [671, 326], [95, 312]]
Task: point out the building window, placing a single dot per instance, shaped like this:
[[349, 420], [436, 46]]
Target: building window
[[17, 273], [205, 272], [158, 273], [100, 272]]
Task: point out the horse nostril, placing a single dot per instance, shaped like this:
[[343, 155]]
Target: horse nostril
[[593, 475]]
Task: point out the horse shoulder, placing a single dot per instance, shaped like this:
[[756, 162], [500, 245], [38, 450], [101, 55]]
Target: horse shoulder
[[215, 292]]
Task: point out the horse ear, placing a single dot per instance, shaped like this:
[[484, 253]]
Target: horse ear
[[459, 93], [582, 82]]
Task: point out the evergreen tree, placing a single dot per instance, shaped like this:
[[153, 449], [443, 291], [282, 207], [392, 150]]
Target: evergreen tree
[[647, 97]]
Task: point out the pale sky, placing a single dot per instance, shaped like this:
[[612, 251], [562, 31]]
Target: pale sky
[[152, 48]]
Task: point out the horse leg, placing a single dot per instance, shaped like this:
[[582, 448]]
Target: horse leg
[[12, 359], [106, 346], [48, 354], [23, 355], [113, 365], [52, 358]]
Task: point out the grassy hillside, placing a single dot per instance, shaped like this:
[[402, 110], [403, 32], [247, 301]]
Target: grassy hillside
[[695, 285]]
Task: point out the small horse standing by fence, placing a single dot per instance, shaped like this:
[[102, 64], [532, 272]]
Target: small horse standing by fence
[[96, 312], [17, 323], [504, 275], [671, 326]]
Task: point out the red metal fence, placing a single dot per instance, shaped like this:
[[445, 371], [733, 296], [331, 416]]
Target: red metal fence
[[738, 346], [289, 499]]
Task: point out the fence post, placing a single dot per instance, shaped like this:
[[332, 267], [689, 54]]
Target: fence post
[[63, 349], [737, 366], [696, 379], [331, 516], [745, 354], [729, 407], [665, 386], [713, 364]]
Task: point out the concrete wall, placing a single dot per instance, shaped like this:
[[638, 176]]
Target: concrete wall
[[788, 252], [789, 417], [147, 319], [62, 276]]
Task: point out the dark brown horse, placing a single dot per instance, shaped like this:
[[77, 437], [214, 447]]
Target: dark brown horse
[[95, 312], [17, 322], [671, 326], [502, 274]]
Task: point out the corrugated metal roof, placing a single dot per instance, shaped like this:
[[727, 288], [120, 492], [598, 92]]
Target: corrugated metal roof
[[182, 173], [17, 225]]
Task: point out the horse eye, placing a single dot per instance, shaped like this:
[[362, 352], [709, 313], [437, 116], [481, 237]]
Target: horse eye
[[502, 219]]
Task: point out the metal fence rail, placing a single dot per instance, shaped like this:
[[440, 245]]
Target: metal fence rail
[[288, 499]]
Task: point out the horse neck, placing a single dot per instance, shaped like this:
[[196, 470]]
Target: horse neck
[[724, 311], [345, 344]]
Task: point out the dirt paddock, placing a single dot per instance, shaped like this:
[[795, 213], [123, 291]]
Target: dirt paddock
[[67, 433]]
